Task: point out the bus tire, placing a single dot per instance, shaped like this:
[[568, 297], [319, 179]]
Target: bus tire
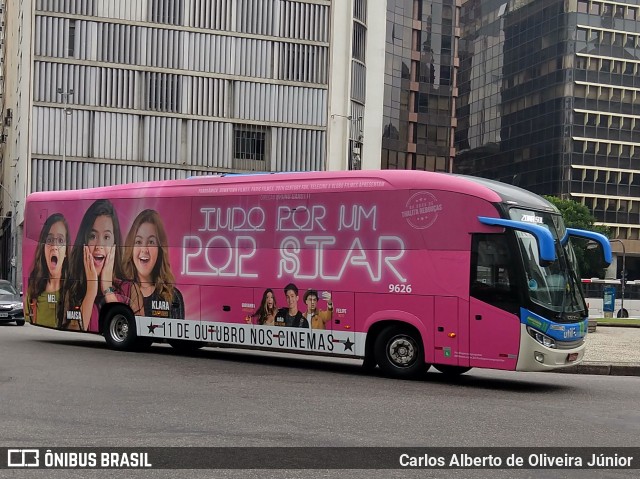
[[184, 346], [399, 352], [449, 370], [623, 313], [120, 329]]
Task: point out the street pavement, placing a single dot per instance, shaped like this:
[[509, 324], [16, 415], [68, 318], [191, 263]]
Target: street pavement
[[611, 350]]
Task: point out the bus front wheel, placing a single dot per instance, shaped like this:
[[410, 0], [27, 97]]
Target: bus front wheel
[[120, 329], [399, 352]]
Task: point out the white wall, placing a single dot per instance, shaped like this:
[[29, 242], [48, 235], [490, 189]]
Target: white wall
[[18, 98], [373, 120], [339, 85]]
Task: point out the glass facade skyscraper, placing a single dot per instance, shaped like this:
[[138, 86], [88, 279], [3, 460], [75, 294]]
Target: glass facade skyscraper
[[420, 84], [550, 101], [514, 66]]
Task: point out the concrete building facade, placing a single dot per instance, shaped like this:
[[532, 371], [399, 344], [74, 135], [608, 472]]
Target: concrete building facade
[[104, 92]]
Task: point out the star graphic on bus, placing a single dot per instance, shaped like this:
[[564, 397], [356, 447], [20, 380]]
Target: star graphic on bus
[[348, 345], [152, 328]]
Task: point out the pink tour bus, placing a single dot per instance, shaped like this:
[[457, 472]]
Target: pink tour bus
[[403, 269]]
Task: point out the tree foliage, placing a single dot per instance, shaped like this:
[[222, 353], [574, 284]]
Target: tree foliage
[[577, 215]]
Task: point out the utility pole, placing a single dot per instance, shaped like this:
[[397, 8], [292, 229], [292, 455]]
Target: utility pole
[[623, 277]]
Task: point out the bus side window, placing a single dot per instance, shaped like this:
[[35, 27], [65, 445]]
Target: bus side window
[[492, 273]]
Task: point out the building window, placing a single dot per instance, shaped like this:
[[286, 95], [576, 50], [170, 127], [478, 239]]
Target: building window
[[163, 92], [360, 10], [583, 6], [359, 42], [166, 11], [631, 41], [71, 47], [581, 35], [250, 148]]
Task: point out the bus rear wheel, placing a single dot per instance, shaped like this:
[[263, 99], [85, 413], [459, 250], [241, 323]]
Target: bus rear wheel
[[399, 352], [450, 370], [120, 329]]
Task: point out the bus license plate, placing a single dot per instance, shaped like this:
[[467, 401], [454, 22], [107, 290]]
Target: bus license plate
[[572, 357]]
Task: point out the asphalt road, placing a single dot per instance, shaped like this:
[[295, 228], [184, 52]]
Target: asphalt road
[[67, 389]]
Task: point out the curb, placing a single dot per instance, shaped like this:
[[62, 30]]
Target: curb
[[603, 369], [618, 325]]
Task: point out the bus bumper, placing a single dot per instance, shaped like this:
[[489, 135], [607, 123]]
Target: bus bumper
[[534, 356]]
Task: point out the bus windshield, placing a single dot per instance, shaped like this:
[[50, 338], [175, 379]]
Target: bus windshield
[[554, 287]]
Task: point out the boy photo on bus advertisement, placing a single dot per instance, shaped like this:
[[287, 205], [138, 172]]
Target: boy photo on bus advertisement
[[50, 268], [317, 318], [265, 315], [291, 316], [96, 258], [146, 264]]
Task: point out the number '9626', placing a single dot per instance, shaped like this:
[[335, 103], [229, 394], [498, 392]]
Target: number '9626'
[[399, 288]]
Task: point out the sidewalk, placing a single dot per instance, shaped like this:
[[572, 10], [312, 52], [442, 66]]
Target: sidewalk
[[611, 350]]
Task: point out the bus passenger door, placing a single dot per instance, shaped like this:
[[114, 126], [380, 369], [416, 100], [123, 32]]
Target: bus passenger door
[[342, 324], [494, 324]]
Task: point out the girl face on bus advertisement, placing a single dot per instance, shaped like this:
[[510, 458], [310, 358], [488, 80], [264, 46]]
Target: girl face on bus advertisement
[[100, 243], [55, 249], [145, 251], [146, 255], [268, 302]]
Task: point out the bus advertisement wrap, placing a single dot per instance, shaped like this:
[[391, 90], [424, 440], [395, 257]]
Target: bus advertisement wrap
[[315, 262]]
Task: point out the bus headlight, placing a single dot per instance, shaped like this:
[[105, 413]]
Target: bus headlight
[[543, 339]]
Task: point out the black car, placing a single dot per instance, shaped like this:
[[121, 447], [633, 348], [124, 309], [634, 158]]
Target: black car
[[10, 304]]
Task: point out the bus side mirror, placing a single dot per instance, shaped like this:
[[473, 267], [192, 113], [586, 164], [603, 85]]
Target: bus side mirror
[[546, 244], [601, 239]]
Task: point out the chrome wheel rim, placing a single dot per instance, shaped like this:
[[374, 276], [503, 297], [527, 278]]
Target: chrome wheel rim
[[119, 328], [402, 351]]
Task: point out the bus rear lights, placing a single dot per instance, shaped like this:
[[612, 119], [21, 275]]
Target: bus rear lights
[[452, 335], [539, 357], [543, 339]]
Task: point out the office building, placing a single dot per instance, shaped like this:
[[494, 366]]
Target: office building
[[550, 100], [104, 92]]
